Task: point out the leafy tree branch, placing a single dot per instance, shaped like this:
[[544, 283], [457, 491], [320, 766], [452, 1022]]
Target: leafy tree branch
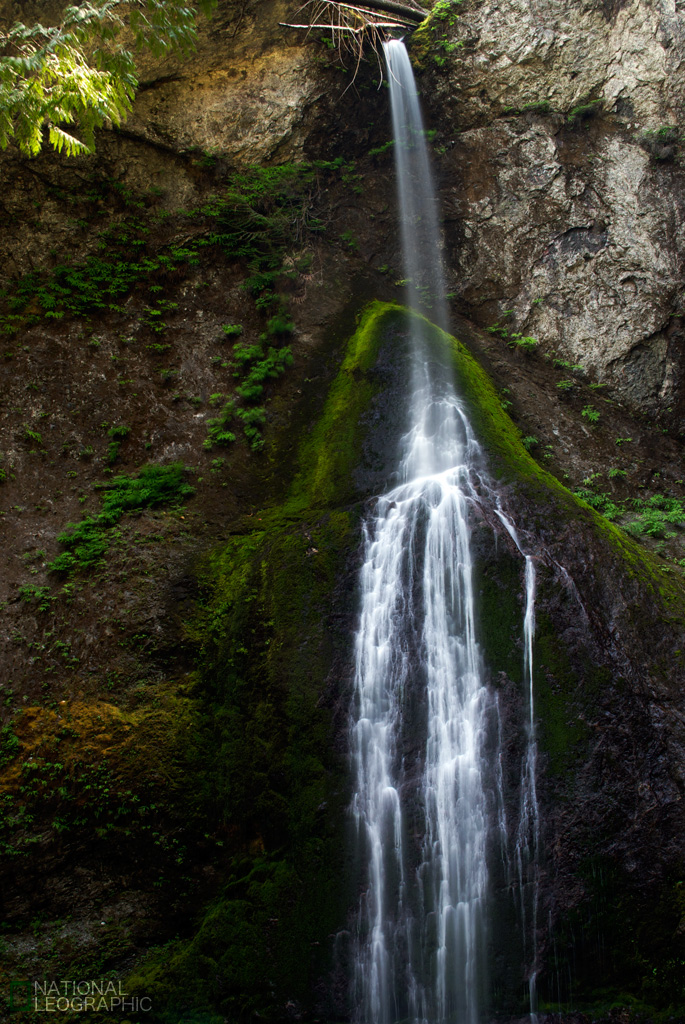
[[77, 75]]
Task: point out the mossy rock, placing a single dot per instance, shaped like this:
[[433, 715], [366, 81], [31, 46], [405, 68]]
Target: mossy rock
[[273, 633]]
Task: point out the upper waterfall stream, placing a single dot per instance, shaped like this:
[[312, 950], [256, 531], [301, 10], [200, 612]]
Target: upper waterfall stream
[[423, 819]]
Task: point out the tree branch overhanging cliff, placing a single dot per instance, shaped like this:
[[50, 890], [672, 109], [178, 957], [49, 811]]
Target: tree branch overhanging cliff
[[78, 73]]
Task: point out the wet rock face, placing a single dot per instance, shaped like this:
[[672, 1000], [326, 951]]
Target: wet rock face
[[243, 96], [629, 54], [586, 253], [563, 187]]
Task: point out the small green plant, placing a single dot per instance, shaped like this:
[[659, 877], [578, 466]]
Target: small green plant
[[662, 143], [656, 515], [529, 442], [382, 150], [623, 440], [152, 315], [563, 364], [33, 556], [217, 427], [499, 327], [232, 330], [526, 344], [350, 241], [445, 12], [603, 503], [259, 365], [280, 324], [117, 434], [584, 112], [41, 595], [30, 435], [86, 542], [615, 473], [566, 385], [591, 414], [253, 420], [10, 745], [537, 107]]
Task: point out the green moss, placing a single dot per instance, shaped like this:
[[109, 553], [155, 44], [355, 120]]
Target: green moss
[[616, 949], [500, 615], [328, 457], [266, 645], [585, 111], [94, 772], [560, 694]]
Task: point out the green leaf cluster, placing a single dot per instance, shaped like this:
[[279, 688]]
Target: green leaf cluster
[[652, 517], [76, 75], [254, 366], [87, 541], [260, 366]]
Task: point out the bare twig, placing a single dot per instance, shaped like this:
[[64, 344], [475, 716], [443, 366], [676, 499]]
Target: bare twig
[[341, 28], [356, 28]]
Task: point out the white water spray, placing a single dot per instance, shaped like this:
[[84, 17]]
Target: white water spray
[[421, 924]]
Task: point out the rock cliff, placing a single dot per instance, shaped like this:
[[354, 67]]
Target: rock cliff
[[176, 647], [563, 184]]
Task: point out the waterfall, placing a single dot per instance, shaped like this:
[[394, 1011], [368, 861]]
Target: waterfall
[[418, 204], [421, 827], [421, 808]]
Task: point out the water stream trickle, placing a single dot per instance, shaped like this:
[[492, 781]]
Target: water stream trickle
[[527, 846]]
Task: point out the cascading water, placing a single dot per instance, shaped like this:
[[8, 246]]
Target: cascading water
[[421, 925], [421, 928], [419, 230], [421, 805]]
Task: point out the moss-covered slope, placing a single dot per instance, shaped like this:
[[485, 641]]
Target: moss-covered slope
[[273, 638], [240, 764]]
